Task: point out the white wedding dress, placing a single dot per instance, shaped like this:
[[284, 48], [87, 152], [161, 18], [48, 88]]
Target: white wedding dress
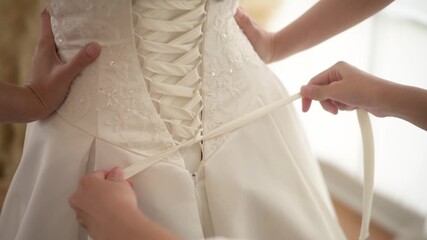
[[169, 72]]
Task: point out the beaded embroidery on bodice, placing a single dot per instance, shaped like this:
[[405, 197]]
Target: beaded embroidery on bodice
[[151, 88], [171, 74]]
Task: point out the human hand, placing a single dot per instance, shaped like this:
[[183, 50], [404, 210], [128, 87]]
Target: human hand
[[262, 41], [344, 87], [50, 78], [106, 205]]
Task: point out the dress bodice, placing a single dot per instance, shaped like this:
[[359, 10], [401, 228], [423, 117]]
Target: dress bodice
[[152, 87], [171, 70]]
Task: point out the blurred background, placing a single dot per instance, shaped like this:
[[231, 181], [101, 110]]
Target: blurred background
[[392, 45], [19, 24]]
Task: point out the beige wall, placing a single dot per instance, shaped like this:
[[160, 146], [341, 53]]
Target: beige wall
[[19, 22], [261, 10]]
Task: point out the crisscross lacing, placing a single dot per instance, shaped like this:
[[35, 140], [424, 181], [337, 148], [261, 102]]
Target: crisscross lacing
[[169, 49], [168, 36]]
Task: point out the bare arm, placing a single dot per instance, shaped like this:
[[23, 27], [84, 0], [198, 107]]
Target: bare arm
[[344, 87], [13, 103], [324, 20], [406, 102], [48, 82]]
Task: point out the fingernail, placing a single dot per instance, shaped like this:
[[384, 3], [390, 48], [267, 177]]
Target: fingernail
[[238, 12], [45, 10], [116, 174], [93, 50]]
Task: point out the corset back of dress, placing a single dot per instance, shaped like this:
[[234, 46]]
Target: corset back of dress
[[168, 36], [170, 70], [151, 88], [110, 99]]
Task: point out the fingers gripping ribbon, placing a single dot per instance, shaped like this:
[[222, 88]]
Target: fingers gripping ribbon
[[368, 151]]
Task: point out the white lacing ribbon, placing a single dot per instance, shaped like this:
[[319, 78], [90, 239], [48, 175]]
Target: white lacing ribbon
[[368, 151], [185, 121], [174, 85], [368, 170]]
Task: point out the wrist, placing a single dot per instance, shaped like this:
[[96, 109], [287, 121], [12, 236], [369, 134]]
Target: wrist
[[35, 107], [284, 44], [137, 225], [22, 101], [122, 223], [22, 107], [273, 37], [408, 103], [141, 227], [387, 98]]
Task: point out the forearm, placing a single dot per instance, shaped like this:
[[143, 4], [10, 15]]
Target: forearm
[[135, 226], [154, 231], [406, 102], [15, 104], [324, 20]]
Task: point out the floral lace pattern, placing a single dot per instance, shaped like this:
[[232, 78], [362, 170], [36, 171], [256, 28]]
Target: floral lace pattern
[[109, 99], [113, 100], [223, 67]]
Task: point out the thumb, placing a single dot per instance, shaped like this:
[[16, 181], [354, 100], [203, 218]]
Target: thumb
[[81, 60], [115, 175], [315, 92]]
